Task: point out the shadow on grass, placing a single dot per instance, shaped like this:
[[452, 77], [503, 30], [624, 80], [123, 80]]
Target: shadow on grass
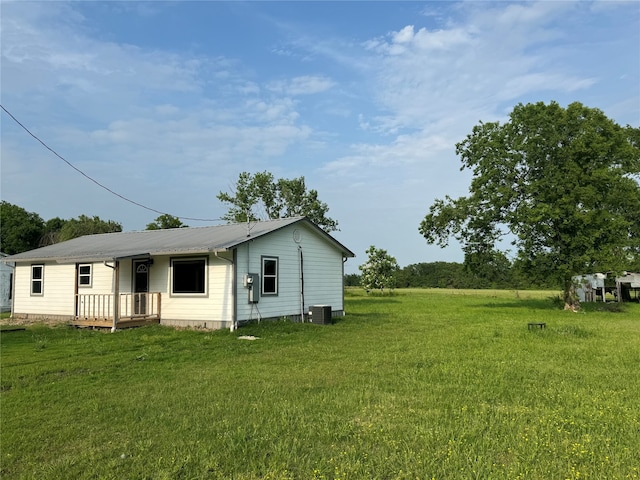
[[527, 303]]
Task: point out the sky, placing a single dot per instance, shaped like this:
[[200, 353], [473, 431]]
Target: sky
[[166, 103]]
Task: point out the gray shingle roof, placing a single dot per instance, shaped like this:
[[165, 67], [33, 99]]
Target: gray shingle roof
[[109, 246]]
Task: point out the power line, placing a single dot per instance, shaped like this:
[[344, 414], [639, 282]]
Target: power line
[[97, 182]]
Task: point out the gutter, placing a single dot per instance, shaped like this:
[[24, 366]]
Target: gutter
[[233, 289]]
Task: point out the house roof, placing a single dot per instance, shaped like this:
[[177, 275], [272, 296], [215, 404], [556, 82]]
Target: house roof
[[120, 245]]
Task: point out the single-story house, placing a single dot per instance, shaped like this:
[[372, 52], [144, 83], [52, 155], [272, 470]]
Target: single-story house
[[207, 277], [6, 279]]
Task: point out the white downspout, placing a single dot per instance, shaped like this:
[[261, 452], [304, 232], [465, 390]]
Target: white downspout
[[233, 280], [301, 271]]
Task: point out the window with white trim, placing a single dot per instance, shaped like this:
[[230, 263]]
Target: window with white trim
[[84, 275], [37, 279], [188, 276], [269, 276]]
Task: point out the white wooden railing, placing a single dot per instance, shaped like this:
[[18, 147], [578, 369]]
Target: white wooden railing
[[131, 305]]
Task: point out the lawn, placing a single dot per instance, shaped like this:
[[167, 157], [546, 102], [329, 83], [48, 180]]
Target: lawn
[[422, 384]]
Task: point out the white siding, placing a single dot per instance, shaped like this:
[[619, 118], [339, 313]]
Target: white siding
[[126, 276], [58, 290], [322, 274], [101, 279], [215, 307]]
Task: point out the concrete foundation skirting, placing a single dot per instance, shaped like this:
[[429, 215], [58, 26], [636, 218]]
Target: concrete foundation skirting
[[41, 317], [203, 324], [179, 323]]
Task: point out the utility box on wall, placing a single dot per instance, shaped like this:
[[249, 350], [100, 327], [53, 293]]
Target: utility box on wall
[[251, 282], [321, 314]]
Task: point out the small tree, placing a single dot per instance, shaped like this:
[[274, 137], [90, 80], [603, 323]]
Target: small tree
[[165, 221], [379, 271]]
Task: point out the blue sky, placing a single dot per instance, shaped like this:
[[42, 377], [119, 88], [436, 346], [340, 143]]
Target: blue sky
[[167, 102]]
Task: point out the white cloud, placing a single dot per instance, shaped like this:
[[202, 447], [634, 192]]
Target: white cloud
[[305, 85], [447, 79], [403, 36]]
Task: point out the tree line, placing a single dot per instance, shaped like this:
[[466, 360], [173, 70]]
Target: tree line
[[457, 276], [22, 230]]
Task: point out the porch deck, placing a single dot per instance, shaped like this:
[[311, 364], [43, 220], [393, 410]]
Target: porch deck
[[133, 310]]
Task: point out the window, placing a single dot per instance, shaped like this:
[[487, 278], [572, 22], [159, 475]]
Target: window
[[269, 276], [37, 279], [189, 276], [84, 275]]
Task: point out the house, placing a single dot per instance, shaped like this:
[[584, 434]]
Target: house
[[208, 277], [6, 279]]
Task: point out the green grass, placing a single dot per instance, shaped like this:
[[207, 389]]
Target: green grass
[[422, 384]]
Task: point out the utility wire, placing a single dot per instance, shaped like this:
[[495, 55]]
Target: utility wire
[[100, 184]]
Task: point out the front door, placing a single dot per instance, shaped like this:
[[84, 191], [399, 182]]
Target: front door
[[140, 286]]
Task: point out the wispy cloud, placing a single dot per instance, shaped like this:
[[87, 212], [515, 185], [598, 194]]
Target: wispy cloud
[[438, 82], [305, 85]]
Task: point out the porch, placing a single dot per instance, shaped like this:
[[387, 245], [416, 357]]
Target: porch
[[132, 310]]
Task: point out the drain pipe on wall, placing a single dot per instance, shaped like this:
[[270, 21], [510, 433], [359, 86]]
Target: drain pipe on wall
[[301, 264], [233, 283]]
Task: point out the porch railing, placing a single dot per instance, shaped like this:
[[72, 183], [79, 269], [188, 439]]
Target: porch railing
[[99, 306]]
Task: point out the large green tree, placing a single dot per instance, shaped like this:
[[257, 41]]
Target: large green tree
[[562, 183], [19, 230], [261, 196]]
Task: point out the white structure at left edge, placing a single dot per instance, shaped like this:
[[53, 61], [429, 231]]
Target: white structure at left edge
[[207, 277], [6, 280]]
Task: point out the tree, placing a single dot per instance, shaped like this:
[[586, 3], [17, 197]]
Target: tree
[[165, 221], [20, 230], [352, 280], [563, 183], [83, 225], [379, 271], [434, 275], [51, 231], [492, 268], [261, 194]]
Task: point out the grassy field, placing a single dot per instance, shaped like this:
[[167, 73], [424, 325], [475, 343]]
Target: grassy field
[[423, 384]]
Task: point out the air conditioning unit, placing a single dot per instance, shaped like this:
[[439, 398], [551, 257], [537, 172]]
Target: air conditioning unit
[[321, 314]]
